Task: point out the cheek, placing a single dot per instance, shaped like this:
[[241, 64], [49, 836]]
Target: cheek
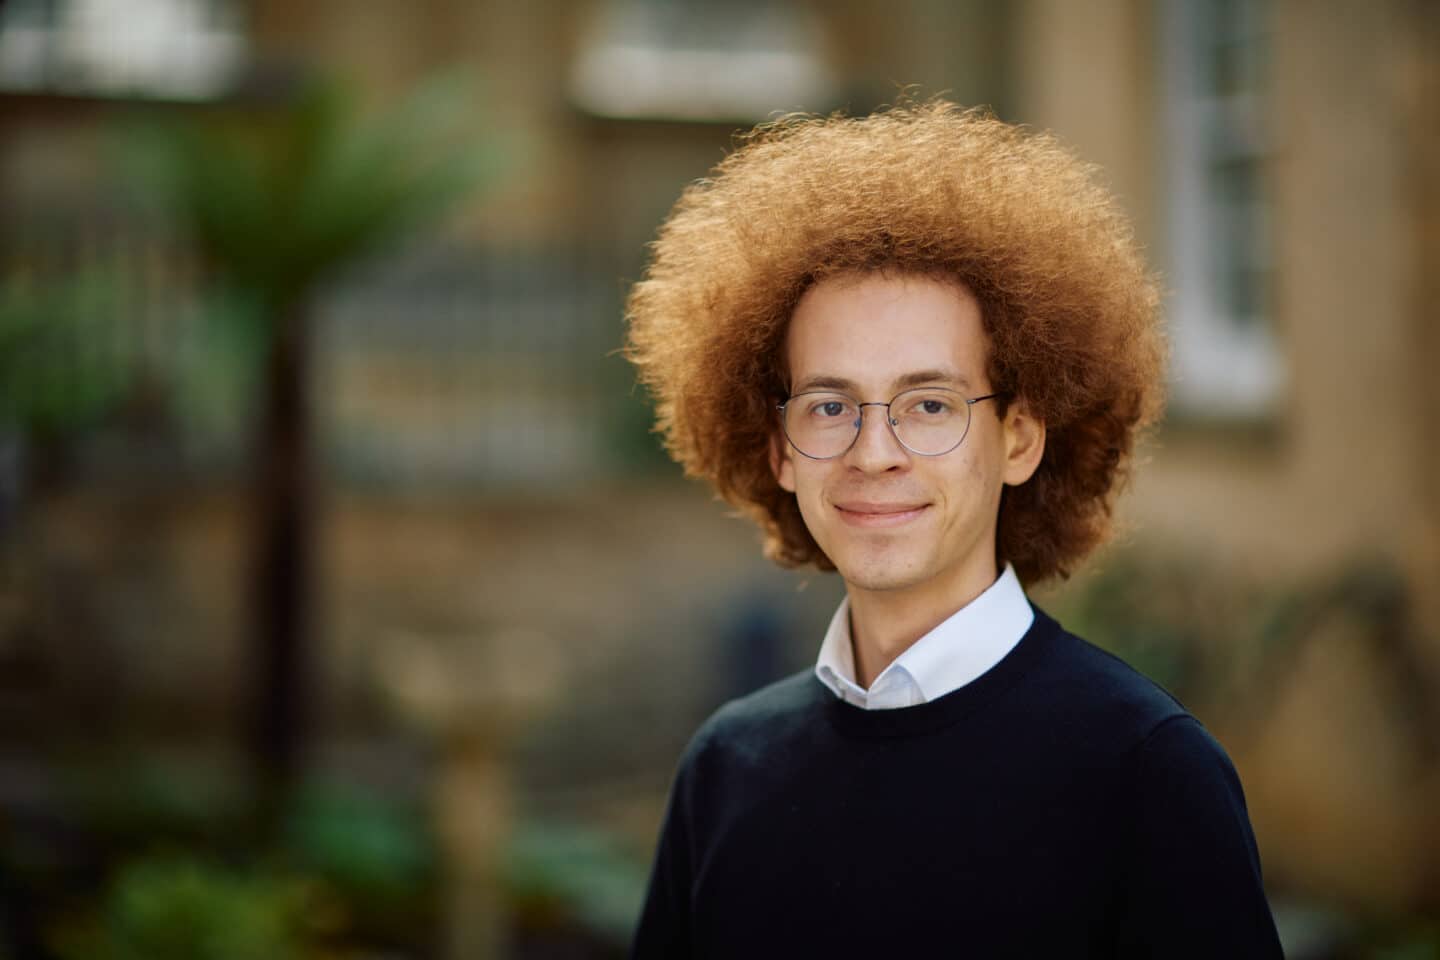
[[805, 484], [962, 489], [808, 486], [978, 473]]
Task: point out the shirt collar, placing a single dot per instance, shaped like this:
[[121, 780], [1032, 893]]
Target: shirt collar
[[960, 649]]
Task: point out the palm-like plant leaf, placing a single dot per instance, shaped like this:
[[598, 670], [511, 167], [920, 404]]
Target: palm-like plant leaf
[[280, 200]]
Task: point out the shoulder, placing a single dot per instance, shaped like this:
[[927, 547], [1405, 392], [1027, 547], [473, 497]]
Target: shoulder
[[1191, 869], [795, 701], [1180, 761], [1078, 683], [1116, 715], [761, 722]]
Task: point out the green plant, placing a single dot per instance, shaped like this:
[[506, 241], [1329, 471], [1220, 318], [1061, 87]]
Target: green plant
[[185, 908], [278, 199], [1165, 615], [370, 849], [166, 866], [54, 377], [572, 873]]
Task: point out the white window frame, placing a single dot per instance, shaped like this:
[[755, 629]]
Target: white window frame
[[1225, 365], [156, 49]]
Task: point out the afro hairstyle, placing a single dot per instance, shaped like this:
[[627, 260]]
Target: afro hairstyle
[[930, 189]]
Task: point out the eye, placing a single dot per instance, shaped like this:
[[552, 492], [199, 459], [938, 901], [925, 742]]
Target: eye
[[829, 408], [929, 406]]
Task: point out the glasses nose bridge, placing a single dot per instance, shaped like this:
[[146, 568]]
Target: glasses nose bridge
[[889, 422], [860, 413]]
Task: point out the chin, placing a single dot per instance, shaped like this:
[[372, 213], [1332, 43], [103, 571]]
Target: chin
[[878, 583], [877, 573]]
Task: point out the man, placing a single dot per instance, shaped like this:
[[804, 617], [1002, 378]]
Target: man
[[917, 348]]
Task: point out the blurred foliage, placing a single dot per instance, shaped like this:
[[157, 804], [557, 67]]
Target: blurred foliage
[[211, 387], [277, 198], [351, 855], [130, 796], [157, 860], [1317, 932], [1207, 633], [167, 868], [632, 441], [1166, 615], [560, 874], [1404, 938], [1420, 944], [1228, 645], [366, 846], [55, 377], [187, 908]]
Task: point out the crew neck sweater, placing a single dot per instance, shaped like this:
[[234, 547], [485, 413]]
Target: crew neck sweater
[[1060, 805]]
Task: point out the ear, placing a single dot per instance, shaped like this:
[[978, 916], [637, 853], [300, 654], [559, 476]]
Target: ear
[[782, 463], [1024, 443]]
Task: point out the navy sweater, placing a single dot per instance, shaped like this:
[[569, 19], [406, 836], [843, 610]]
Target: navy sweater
[[1061, 805]]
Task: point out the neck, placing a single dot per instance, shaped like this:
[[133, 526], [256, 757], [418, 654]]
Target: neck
[[886, 623]]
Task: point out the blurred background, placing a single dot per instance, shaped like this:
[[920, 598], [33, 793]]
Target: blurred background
[[348, 608]]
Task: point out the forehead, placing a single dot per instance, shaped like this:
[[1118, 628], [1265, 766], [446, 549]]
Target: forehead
[[876, 329]]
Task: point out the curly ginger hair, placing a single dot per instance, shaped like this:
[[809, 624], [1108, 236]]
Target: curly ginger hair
[[929, 189]]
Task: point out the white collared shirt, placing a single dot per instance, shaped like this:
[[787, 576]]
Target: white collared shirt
[[966, 645]]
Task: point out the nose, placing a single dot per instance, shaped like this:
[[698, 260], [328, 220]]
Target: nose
[[876, 449]]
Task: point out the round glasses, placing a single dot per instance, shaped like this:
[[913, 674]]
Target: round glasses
[[929, 421]]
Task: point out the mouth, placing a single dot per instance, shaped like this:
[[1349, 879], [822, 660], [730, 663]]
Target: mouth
[[866, 514]]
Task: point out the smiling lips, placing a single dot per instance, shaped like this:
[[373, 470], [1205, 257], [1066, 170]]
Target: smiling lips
[[862, 513]]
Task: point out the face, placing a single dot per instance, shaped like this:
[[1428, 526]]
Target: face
[[890, 519]]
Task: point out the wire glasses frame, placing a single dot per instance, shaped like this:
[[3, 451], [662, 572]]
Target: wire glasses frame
[[916, 418]]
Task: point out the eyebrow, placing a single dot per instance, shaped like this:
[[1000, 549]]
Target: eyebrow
[[905, 381]]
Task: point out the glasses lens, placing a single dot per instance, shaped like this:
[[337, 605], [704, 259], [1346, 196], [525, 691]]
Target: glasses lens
[[931, 420], [821, 425], [928, 421]]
